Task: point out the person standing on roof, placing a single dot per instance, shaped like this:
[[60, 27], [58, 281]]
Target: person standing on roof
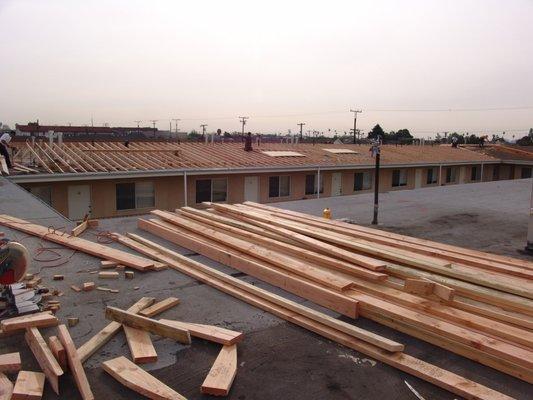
[[4, 145], [455, 142]]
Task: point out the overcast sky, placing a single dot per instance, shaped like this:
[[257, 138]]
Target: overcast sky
[[279, 62]]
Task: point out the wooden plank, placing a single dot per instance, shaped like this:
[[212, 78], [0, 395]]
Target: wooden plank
[[208, 332], [58, 351], [140, 344], [77, 231], [148, 324], [230, 285], [419, 286], [443, 292], [10, 362], [159, 307], [77, 243], [102, 337], [108, 275], [221, 375], [288, 248], [29, 386], [74, 363], [108, 264], [232, 258], [318, 274], [133, 377], [6, 387], [38, 320], [44, 356], [431, 373]]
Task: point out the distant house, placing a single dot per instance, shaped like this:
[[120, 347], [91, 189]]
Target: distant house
[[34, 129]]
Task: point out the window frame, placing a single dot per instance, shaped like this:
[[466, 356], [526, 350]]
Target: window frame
[[279, 193], [315, 184], [477, 176], [434, 176], [529, 174], [453, 174], [211, 190], [37, 191], [399, 171], [135, 196], [364, 174]]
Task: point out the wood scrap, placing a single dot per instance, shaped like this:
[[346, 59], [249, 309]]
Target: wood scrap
[[129, 274], [73, 321], [45, 358], [103, 336], [58, 277], [148, 324], [159, 307], [74, 363], [10, 362], [108, 264], [88, 286], [58, 351], [221, 375], [140, 344], [28, 386], [78, 230], [133, 377], [108, 275], [75, 288], [38, 320]]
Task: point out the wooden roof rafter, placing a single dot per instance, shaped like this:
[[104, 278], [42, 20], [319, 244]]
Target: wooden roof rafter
[[72, 160], [49, 157], [58, 157]]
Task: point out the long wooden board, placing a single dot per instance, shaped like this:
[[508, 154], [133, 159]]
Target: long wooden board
[[77, 243], [51, 368], [221, 375], [103, 336], [232, 258], [74, 363], [58, 351], [200, 271], [148, 324], [133, 377], [431, 373], [208, 332], [159, 307]]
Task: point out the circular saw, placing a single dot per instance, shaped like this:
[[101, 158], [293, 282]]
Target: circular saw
[[14, 262]]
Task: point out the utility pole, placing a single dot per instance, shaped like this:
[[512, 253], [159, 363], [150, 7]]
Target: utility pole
[[301, 124], [153, 121], [243, 122], [138, 127], [375, 149], [203, 129], [355, 112], [176, 120]]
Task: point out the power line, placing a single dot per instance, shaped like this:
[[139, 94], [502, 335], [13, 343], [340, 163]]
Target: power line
[[243, 122]]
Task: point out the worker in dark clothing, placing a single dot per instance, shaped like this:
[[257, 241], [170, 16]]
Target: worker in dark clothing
[[4, 146]]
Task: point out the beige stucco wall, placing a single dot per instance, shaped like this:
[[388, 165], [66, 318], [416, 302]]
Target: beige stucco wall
[[169, 191]]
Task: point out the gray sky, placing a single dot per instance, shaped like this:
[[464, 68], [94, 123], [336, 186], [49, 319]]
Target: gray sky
[[279, 62]]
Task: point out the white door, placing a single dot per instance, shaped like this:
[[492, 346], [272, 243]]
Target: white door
[[418, 178], [79, 201], [251, 188], [336, 184]]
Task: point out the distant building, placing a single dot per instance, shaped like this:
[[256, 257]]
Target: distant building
[[84, 132]]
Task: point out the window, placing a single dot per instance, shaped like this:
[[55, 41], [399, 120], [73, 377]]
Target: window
[[525, 173], [279, 186], [42, 192], [496, 173], [450, 175], [134, 195], [432, 175], [475, 173], [399, 177], [362, 181], [125, 196], [311, 184], [215, 190]]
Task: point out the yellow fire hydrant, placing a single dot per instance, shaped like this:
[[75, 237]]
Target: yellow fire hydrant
[[326, 213]]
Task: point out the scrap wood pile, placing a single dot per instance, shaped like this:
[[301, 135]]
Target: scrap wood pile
[[59, 355], [472, 303]]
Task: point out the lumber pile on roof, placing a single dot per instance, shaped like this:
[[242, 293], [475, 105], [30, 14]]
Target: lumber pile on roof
[[475, 304]]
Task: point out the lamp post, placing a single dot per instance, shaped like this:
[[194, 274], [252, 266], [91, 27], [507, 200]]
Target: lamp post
[[376, 151]]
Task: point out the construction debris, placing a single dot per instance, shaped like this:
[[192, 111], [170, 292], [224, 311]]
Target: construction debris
[[44, 356], [29, 386], [58, 277], [73, 321], [220, 378], [10, 363], [159, 307], [88, 286], [108, 275], [129, 274]]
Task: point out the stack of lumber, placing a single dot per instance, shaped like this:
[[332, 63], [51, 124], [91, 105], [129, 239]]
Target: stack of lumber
[[475, 304]]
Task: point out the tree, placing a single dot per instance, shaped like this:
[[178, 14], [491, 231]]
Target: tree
[[460, 138], [376, 133], [525, 141]]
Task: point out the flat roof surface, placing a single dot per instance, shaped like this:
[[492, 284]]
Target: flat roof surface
[[276, 358]]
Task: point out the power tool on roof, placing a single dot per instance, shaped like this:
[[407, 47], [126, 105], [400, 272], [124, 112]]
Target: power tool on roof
[[15, 297]]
